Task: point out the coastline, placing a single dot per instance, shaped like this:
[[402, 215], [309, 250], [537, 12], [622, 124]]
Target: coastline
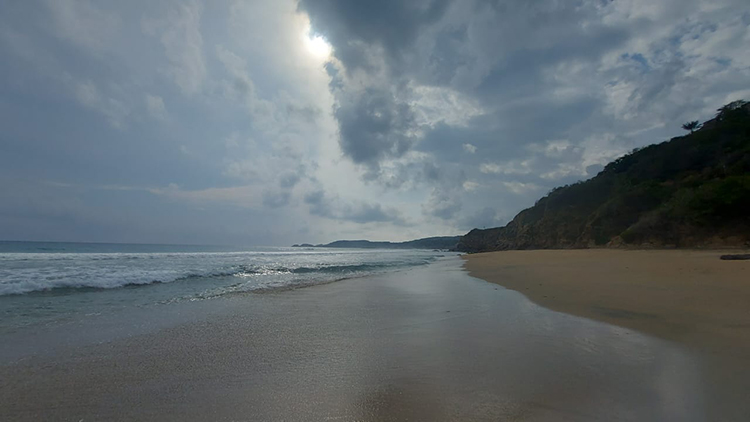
[[429, 343], [687, 296]]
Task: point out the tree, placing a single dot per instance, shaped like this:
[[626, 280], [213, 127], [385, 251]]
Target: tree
[[734, 105], [691, 126], [731, 108]]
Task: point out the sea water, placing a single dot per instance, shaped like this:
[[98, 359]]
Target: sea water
[[44, 283]]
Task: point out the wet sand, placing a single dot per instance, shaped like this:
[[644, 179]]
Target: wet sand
[[428, 344], [691, 297]]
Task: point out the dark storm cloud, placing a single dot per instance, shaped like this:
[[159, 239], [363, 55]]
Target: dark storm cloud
[[374, 125], [368, 213], [351, 25], [493, 52]]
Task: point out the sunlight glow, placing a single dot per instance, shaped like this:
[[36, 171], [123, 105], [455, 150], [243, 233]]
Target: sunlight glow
[[318, 46]]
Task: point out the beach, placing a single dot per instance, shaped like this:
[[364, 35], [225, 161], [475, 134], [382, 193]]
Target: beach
[[427, 343], [688, 296]]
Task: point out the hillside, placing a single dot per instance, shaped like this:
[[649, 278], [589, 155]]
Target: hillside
[[440, 242], [691, 191]]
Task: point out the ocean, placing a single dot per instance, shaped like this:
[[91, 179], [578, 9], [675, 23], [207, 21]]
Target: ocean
[[48, 283]]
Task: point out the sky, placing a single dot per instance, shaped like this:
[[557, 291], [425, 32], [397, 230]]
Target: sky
[[272, 122]]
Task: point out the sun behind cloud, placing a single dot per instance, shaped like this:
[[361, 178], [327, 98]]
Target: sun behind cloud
[[317, 46]]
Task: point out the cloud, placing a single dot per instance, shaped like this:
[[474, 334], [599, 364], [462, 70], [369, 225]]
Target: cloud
[[84, 24], [482, 218], [374, 125], [443, 105], [180, 35], [519, 64], [289, 180], [510, 167], [241, 84], [87, 94], [113, 109], [470, 186], [274, 199], [519, 187], [155, 107], [408, 172], [352, 26], [369, 212], [444, 204], [429, 116], [360, 212]]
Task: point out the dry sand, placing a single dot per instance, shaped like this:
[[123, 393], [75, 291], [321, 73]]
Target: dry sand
[[691, 297]]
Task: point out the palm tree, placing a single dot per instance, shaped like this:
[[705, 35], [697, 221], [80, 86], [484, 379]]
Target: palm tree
[[691, 126]]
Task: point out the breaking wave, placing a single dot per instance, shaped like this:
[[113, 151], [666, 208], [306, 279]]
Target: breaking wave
[[68, 273]]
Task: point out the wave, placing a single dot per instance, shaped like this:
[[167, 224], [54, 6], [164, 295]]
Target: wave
[[256, 277]]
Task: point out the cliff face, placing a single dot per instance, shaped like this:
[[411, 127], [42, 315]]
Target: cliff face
[[691, 191]]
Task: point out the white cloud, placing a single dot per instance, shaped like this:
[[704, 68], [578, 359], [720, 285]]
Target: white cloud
[[564, 170], [433, 105], [510, 167], [470, 186], [602, 148], [490, 168], [557, 148], [519, 187], [471, 149]]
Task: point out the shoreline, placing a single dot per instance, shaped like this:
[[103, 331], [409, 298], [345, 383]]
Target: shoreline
[[687, 296], [430, 343]]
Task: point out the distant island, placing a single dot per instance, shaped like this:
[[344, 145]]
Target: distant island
[[438, 242], [691, 191]]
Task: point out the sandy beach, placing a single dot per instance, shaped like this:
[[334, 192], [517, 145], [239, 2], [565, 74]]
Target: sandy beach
[[691, 297], [430, 343]]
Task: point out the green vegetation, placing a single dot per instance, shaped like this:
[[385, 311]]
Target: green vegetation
[[691, 126], [691, 191]]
